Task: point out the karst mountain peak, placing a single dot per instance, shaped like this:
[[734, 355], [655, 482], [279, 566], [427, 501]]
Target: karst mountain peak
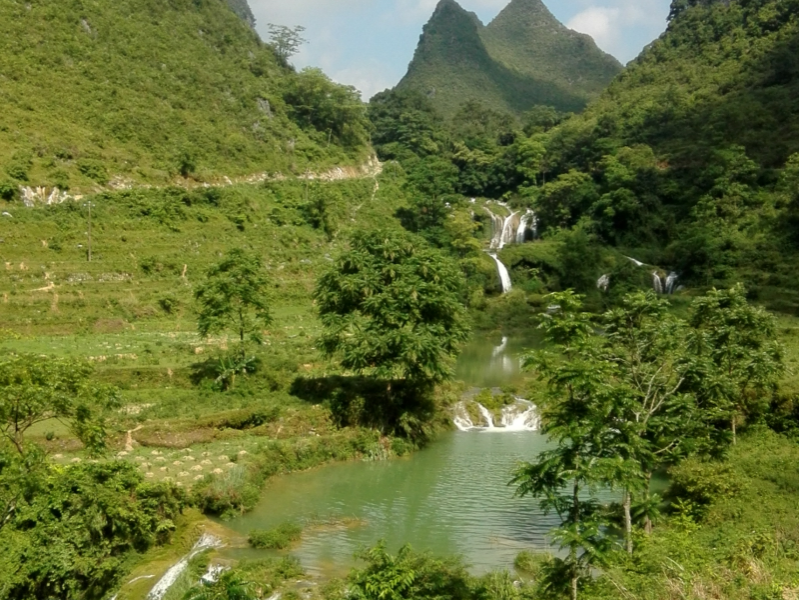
[[524, 57]]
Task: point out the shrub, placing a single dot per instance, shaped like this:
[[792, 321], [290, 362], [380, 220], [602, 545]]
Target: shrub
[[278, 538], [93, 169], [8, 190]]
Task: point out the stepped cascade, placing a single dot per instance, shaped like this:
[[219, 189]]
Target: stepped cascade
[[520, 416], [512, 228]]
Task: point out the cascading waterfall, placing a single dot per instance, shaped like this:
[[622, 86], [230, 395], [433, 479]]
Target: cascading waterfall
[[528, 222], [504, 275], [603, 283], [520, 416], [665, 285], [171, 576]]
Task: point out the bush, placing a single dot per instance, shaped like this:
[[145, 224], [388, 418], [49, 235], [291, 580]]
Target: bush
[[278, 538], [8, 190], [93, 169]]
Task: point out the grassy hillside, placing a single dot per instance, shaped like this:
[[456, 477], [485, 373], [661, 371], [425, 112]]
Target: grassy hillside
[[524, 58], [145, 91]]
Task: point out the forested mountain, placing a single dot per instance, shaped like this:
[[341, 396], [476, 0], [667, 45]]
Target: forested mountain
[[525, 57], [145, 90], [689, 158]]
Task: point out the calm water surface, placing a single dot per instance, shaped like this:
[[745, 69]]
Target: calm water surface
[[451, 498]]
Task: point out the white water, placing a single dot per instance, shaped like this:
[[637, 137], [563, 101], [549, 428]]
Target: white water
[[528, 221], [504, 275], [160, 589], [501, 348], [521, 416], [603, 283]]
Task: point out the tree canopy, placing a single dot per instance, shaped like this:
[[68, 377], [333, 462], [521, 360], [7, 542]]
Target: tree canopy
[[392, 307]]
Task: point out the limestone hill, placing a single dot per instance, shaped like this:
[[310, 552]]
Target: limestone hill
[[144, 91], [525, 57]]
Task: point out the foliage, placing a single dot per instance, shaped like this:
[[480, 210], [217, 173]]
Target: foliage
[[35, 389], [72, 538], [285, 41], [229, 586], [277, 538], [234, 297], [391, 307], [149, 92], [407, 575]]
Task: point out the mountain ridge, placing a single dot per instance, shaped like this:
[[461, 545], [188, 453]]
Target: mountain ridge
[[459, 59]]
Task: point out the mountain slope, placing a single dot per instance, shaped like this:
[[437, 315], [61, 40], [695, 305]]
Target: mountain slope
[[686, 159], [508, 67], [528, 38], [145, 90]]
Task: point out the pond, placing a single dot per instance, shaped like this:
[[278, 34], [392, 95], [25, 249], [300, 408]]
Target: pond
[[450, 498]]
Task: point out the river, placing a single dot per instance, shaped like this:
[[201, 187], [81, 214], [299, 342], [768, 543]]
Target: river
[[450, 498]]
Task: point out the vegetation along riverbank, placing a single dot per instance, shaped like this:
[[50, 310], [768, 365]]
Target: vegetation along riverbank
[[218, 271]]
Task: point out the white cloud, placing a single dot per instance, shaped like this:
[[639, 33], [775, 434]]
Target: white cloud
[[621, 27], [599, 22]]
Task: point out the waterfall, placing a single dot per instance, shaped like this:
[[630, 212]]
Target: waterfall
[[637, 263], [657, 283], [504, 275], [671, 282], [171, 576], [520, 416], [497, 226], [603, 283], [501, 348], [507, 235], [528, 221]]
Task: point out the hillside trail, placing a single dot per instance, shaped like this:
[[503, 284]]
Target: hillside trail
[[41, 195]]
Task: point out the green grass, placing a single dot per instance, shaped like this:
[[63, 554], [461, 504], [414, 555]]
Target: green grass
[[277, 538], [146, 91]]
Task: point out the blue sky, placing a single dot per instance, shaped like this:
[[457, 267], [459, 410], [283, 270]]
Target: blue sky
[[369, 43]]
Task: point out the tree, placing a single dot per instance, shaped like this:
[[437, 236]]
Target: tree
[[566, 478], [35, 389], [392, 307], [233, 297], [285, 41], [736, 355], [653, 417]]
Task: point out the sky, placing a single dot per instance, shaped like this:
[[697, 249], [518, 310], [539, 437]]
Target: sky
[[369, 43]]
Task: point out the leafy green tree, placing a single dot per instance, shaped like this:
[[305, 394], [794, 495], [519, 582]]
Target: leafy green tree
[[566, 478], [334, 111], [285, 41], [736, 356], [653, 417], [74, 537], [408, 576], [234, 297], [34, 389], [392, 307]]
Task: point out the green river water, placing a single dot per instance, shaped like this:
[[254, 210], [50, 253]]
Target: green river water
[[451, 498]]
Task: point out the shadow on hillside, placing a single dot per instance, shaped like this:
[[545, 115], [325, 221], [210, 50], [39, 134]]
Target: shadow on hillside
[[393, 407]]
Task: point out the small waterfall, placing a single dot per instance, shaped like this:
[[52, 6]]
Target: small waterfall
[[528, 222], [504, 275], [521, 416], [636, 262], [501, 348], [507, 236], [497, 226], [671, 282], [486, 414], [603, 283], [171, 576], [657, 283]]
